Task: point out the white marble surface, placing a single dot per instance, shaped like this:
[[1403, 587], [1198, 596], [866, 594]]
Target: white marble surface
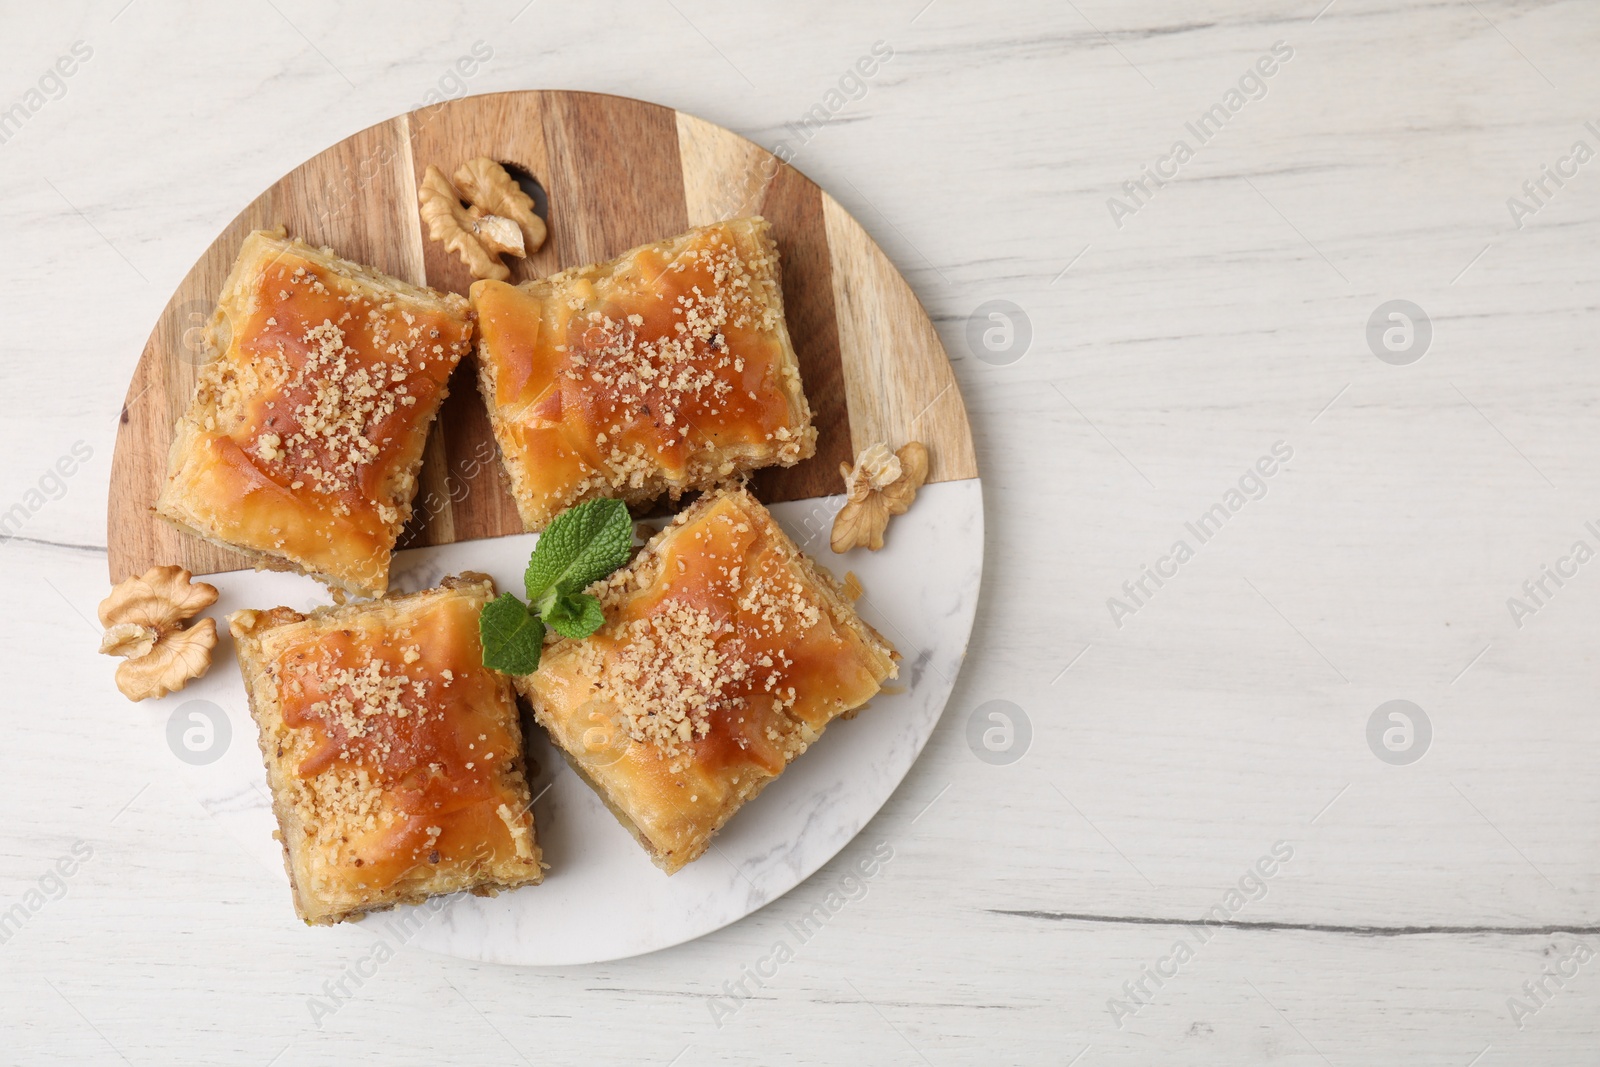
[[1167, 756]]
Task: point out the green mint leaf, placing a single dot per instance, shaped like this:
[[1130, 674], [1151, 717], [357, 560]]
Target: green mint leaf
[[512, 636], [575, 615], [581, 545]]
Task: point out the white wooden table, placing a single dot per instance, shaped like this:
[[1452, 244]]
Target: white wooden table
[[1032, 907]]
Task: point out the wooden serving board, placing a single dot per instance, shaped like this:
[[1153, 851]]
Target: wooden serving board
[[618, 173]]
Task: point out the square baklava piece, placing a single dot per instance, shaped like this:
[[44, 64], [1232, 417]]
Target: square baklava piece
[[667, 369], [394, 756], [724, 654], [303, 441]]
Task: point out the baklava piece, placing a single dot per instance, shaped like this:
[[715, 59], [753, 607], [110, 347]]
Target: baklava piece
[[667, 369], [394, 756], [303, 441], [724, 654]]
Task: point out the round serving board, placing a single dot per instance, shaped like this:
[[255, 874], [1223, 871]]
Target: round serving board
[[616, 173]]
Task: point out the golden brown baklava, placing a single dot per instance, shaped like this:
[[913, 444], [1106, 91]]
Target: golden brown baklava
[[394, 757], [667, 369], [724, 654], [302, 444]]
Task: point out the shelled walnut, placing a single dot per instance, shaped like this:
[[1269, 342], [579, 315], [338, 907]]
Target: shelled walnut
[[144, 619], [880, 485], [481, 217], [491, 189]]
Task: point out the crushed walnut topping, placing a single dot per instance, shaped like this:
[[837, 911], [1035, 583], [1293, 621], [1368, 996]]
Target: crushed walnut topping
[[327, 425], [661, 375], [363, 695], [670, 670], [374, 749], [654, 360], [712, 643]]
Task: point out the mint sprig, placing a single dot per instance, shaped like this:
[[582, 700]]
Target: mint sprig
[[512, 635], [577, 615], [580, 546]]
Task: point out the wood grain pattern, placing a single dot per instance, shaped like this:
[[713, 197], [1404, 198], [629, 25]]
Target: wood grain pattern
[[794, 207], [615, 179], [356, 197], [462, 493], [618, 173], [726, 176], [891, 394]]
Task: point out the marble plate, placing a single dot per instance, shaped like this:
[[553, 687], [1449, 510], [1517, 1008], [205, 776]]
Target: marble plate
[[602, 898]]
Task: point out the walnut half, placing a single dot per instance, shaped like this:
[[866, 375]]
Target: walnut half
[[881, 484], [493, 191], [144, 619], [452, 225], [497, 219]]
